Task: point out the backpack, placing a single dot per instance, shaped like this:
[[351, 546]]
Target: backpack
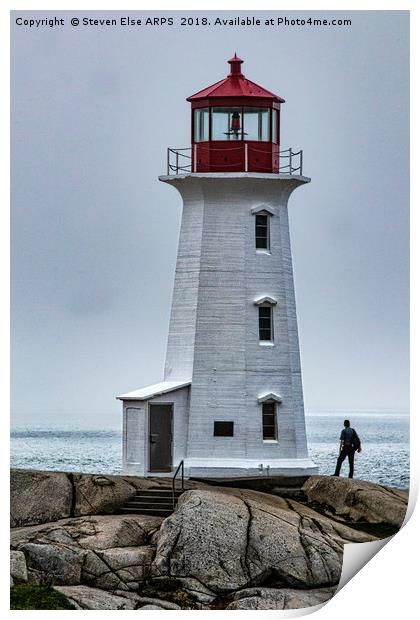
[[355, 440]]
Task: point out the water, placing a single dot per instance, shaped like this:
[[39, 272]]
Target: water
[[384, 458]]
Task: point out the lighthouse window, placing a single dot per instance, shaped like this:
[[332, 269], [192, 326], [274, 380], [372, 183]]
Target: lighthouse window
[[226, 124], [269, 421], [201, 125], [257, 124], [223, 429], [262, 228], [265, 322]]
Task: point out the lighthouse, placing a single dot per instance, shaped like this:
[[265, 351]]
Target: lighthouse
[[230, 403]]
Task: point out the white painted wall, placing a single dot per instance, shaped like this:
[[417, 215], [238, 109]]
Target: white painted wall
[[136, 430], [213, 334]]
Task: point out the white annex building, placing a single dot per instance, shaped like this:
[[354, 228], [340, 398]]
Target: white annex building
[[231, 402]]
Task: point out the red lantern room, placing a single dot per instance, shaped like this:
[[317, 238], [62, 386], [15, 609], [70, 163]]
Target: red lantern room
[[235, 126]]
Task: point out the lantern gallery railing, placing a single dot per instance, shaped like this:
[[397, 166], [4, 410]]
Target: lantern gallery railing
[[183, 161]]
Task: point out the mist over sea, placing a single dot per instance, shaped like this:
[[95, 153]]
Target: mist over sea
[[384, 458]]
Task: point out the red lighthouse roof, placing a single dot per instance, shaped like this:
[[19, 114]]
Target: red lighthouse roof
[[235, 85]]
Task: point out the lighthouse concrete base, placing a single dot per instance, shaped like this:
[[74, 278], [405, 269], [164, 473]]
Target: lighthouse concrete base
[[235, 468]]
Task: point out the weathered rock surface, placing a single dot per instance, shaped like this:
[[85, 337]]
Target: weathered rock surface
[[100, 494], [273, 598], [84, 597], [42, 496], [18, 570], [108, 552], [222, 548], [358, 500], [38, 497], [230, 539]]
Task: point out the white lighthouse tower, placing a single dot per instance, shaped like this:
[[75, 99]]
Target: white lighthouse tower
[[231, 402]]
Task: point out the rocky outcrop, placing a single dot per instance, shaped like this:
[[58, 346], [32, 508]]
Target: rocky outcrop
[[357, 500], [100, 494], [41, 496], [18, 571], [38, 497], [109, 552], [231, 539], [274, 598], [219, 543], [84, 597], [223, 547]]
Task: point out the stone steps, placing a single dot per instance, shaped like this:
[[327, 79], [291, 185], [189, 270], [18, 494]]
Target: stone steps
[[156, 502]]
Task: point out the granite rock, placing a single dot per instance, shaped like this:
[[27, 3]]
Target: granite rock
[[108, 552], [230, 539], [357, 500], [39, 497], [283, 598], [18, 570], [84, 597]]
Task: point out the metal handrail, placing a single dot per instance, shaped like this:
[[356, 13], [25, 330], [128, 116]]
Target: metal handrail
[[290, 162], [180, 467]]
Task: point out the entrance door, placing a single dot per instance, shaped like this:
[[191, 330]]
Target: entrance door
[[160, 438]]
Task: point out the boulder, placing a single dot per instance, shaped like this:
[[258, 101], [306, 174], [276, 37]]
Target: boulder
[[357, 500], [92, 532], [108, 552], [38, 497], [156, 603], [274, 598], [197, 590], [84, 597], [106, 532], [18, 570], [131, 564], [156, 607], [96, 573], [53, 564], [229, 539], [100, 494]]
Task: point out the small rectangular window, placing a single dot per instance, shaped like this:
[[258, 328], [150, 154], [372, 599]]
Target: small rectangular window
[[262, 232], [269, 422], [223, 429], [265, 322]]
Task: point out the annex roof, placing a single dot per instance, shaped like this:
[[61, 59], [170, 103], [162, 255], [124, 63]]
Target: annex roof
[[235, 85], [154, 390]]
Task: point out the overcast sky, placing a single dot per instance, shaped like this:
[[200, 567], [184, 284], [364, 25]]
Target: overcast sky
[[94, 233]]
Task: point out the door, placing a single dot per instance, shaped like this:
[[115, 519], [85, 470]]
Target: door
[[160, 438]]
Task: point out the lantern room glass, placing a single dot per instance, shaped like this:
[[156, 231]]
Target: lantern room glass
[[274, 125], [226, 124], [201, 124], [257, 124], [254, 124]]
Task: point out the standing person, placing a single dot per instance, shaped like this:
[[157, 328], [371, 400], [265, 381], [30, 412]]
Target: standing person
[[349, 443]]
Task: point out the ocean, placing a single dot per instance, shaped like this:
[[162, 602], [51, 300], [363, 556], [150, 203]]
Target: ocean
[[384, 458]]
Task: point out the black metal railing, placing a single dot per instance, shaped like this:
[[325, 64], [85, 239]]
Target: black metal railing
[[184, 161], [174, 497]]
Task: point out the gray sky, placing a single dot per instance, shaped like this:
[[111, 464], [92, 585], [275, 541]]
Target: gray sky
[[94, 233]]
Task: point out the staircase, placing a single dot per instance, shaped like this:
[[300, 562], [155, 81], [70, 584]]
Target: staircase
[[156, 502]]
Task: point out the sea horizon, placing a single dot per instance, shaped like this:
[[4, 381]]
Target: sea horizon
[[86, 448], [81, 424]]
